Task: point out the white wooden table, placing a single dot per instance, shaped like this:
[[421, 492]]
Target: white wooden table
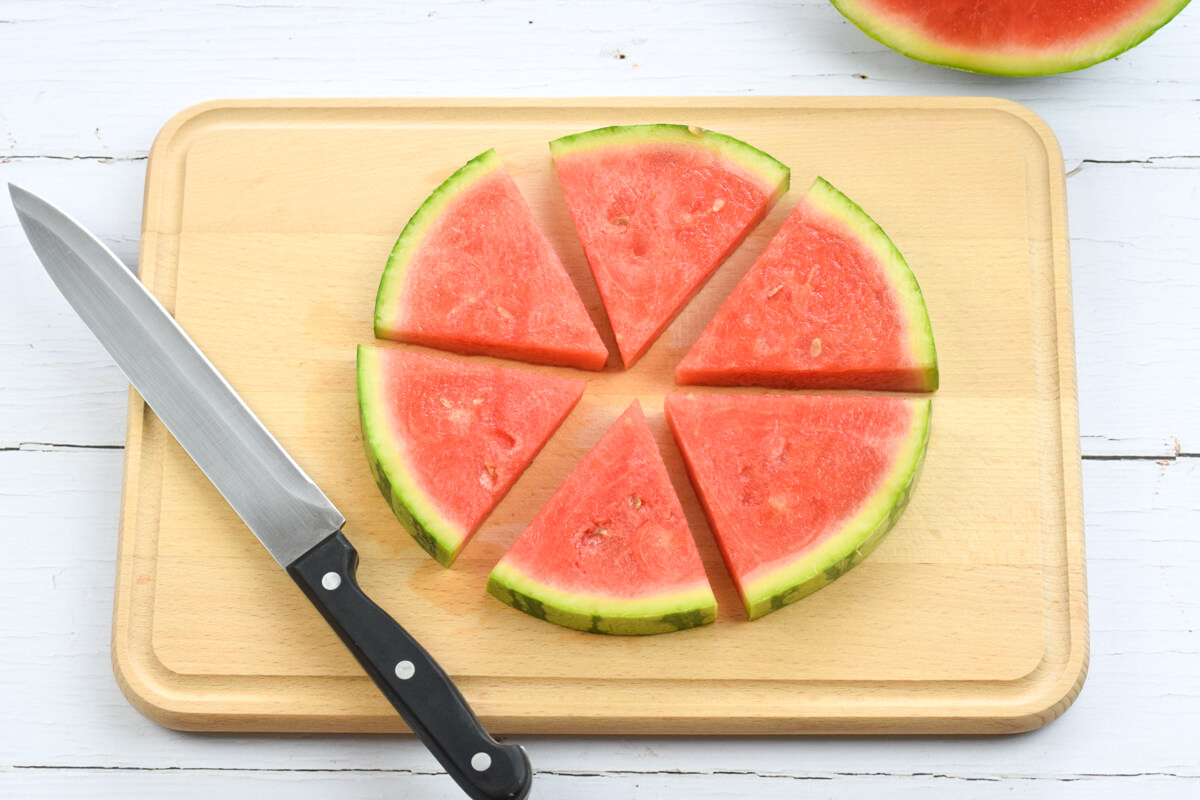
[[83, 90]]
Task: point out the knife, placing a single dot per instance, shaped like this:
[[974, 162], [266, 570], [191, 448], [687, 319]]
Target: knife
[[281, 505]]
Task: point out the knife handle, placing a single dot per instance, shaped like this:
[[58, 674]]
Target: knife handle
[[409, 677]]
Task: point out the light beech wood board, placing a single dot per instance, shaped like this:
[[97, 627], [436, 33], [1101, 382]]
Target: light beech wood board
[[266, 227]]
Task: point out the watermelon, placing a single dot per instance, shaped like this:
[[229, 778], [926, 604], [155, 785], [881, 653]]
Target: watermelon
[[657, 209], [798, 488], [446, 439], [473, 273], [830, 303], [1010, 37], [611, 551]]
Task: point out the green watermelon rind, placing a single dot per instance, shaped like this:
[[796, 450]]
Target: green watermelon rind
[[922, 48], [861, 535], [673, 611], [391, 285], [826, 197], [436, 535], [769, 169]]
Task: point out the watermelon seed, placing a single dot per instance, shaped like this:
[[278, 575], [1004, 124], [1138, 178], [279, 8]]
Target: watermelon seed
[[635, 501], [695, 130], [775, 291], [504, 312], [718, 204], [621, 222], [445, 402], [487, 478], [815, 349], [478, 401]]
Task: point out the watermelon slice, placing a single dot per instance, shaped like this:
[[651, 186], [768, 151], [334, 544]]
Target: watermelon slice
[[798, 488], [447, 439], [829, 304], [473, 273], [611, 551], [658, 208], [1010, 37]]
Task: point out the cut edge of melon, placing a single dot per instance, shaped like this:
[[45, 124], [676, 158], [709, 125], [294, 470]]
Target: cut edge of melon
[[908, 42], [436, 535], [768, 168], [826, 197], [596, 614], [820, 567], [391, 285]]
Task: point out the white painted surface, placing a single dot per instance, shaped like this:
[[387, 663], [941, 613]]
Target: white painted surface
[[83, 90]]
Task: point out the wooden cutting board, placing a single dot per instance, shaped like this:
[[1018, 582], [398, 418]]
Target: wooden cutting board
[[267, 225]]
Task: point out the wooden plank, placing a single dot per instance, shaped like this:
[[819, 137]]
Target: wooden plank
[[1134, 266], [59, 384], [1138, 713], [317, 785], [321, 189], [1137, 106], [1135, 254]]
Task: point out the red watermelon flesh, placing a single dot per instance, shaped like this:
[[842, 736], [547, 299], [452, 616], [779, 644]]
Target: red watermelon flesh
[[658, 208], [611, 551], [473, 273], [1011, 37], [798, 488], [830, 303], [447, 439]]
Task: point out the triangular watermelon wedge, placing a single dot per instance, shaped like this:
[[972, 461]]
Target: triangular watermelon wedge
[[447, 439], [830, 304], [657, 209], [798, 488], [610, 552], [473, 273]]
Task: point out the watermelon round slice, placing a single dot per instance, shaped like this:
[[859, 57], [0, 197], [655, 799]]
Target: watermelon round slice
[[657, 209], [610, 552], [446, 439], [830, 303], [473, 273], [798, 488], [1010, 37]]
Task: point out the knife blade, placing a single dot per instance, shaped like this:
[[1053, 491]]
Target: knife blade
[[280, 504]]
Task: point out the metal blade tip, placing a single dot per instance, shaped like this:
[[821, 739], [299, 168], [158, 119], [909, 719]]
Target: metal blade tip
[[24, 200]]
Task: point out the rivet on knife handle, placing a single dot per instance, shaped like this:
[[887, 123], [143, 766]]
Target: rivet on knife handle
[[409, 677]]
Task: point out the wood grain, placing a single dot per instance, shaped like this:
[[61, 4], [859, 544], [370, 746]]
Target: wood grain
[[969, 618], [76, 127], [1138, 105], [339, 785], [1138, 714], [1136, 279]]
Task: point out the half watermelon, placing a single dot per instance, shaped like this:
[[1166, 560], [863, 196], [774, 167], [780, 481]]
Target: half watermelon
[[610, 552], [446, 439], [473, 273], [1010, 37], [798, 488], [657, 209], [830, 303]]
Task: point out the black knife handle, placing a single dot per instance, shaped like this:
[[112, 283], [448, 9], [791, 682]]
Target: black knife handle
[[409, 677]]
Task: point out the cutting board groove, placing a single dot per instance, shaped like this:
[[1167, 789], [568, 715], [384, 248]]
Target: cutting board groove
[[266, 227]]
